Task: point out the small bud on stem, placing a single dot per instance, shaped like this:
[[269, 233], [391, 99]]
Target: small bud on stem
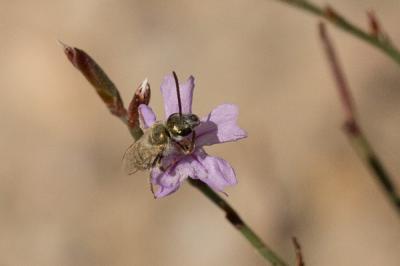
[[376, 29], [141, 96], [374, 26]]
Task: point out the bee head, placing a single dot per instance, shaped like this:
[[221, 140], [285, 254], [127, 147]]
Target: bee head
[[181, 125]]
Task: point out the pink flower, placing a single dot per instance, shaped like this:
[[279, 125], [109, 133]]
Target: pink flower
[[218, 127]]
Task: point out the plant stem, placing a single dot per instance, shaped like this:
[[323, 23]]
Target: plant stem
[[233, 217], [351, 125], [342, 23], [299, 254], [366, 153]]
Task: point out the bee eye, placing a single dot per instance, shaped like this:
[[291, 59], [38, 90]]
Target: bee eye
[[194, 121], [185, 131], [194, 118]]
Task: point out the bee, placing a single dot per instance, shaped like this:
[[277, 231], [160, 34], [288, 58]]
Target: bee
[[158, 140]]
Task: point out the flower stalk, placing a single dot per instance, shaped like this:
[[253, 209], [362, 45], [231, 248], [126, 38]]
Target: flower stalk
[[379, 40], [352, 128], [233, 217]]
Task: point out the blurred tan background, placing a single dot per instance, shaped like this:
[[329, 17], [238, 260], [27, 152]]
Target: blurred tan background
[[64, 199]]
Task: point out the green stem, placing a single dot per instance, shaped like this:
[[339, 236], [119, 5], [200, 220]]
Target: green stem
[[339, 21], [367, 154], [238, 223]]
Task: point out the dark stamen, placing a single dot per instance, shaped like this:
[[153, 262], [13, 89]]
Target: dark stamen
[[178, 93]]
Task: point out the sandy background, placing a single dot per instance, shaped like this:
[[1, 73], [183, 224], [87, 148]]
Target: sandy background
[[64, 199]]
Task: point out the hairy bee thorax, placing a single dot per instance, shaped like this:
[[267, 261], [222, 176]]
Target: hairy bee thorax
[[159, 134]]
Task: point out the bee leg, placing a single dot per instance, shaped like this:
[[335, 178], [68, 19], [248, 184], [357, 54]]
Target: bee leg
[[159, 163], [187, 148], [151, 183], [156, 162], [192, 142], [183, 147], [151, 187], [164, 168]]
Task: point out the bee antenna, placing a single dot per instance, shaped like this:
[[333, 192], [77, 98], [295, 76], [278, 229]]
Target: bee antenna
[[178, 93]]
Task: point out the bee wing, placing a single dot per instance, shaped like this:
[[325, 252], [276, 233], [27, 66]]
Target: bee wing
[[128, 161], [140, 156]]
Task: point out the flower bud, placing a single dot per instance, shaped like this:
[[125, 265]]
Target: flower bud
[[141, 96]]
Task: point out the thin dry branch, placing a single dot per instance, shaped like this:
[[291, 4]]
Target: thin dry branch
[[299, 255], [341, 22], [351, 125]]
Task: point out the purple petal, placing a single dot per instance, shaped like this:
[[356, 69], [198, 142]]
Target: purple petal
[[219, 126], [147, 116], [170, 180], [168, 90], [167, 182], [220, 173]]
